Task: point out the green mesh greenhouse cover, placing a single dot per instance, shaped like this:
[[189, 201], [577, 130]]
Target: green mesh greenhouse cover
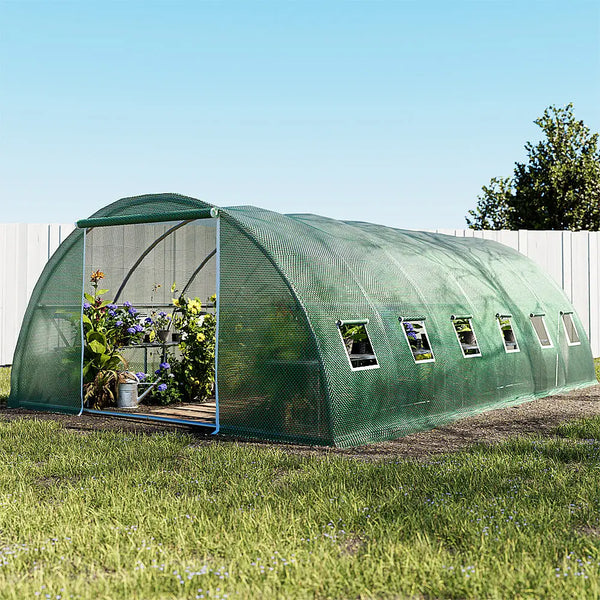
[[329, 332]]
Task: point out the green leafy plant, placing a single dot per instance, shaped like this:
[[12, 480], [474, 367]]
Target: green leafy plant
[[188, 374], [353, 334], [100, 351], [194, 370], [417, 340], [466, 336], [507, 332], [558, 187], [106, 329], [167, 391], [102, 391]]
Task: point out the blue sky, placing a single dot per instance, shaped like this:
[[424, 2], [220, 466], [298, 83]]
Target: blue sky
[[391, 112]]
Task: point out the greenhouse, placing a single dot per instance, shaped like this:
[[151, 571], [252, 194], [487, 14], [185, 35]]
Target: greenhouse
[[293, 327]]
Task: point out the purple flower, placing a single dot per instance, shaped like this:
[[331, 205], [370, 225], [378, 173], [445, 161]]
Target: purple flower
[[148, 320], [87, 305], [162, 387], [141, 376], [112, 313], [119, 323], [127, 304], [131, 330], [157, 372], [138, 328], [165, 365], [132, 311], [162, 314], [112, 306], [410, 330]]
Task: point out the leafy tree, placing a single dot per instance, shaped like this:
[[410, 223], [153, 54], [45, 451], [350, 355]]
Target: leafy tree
[[557, 188], [493, 206]]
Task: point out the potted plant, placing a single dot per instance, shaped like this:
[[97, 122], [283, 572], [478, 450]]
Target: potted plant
[[417, 340], [161, 325]]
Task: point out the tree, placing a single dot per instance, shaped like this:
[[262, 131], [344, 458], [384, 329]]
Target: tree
[[557, 188], [493, 206]]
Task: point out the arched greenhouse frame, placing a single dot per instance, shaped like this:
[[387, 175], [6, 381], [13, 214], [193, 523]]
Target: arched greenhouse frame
[[327, 332]]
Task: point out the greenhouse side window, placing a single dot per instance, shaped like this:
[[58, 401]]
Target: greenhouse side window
[[357, 344], [539, 326], [418, 340], [463, 326], [508, 334], [570, 330]]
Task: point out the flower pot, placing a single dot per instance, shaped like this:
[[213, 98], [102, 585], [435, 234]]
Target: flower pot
[[163, 335], [176, 336]]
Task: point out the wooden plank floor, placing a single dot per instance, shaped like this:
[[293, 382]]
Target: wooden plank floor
[[204, 412]]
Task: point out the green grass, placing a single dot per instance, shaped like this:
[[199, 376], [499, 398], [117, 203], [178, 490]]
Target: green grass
[[4, 384], [126, 516], [117, 515]]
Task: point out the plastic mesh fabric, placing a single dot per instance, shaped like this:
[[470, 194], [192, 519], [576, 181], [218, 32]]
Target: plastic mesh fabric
[[46, 370], [270, 376], [150, 204], [344, 270]]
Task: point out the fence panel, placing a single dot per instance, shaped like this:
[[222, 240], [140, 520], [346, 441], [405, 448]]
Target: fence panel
[[24, 250]]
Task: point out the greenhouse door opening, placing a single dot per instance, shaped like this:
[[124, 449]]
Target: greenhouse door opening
[[149, 320]]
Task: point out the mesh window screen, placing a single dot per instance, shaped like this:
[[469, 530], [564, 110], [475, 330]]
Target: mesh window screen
[[540, 329], [508, 334], [570, 330]]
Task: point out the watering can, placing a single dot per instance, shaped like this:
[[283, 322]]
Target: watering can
[[127, 393]]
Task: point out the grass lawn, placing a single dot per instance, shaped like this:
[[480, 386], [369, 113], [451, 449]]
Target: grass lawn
[[134, 516], [121, 515], [4, 384]]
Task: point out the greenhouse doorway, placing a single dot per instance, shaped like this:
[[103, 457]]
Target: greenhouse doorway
[[149, 318]]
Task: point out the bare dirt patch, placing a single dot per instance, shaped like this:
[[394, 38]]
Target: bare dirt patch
[[353, 544], [589, 531], [538, 417]]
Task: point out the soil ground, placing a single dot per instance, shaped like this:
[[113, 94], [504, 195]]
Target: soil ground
[[538, 417]]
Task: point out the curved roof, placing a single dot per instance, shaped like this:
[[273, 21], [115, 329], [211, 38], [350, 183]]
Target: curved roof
[[342, 270]]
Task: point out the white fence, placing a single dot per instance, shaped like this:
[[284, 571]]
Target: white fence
[[571, 258], [24, 250]]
